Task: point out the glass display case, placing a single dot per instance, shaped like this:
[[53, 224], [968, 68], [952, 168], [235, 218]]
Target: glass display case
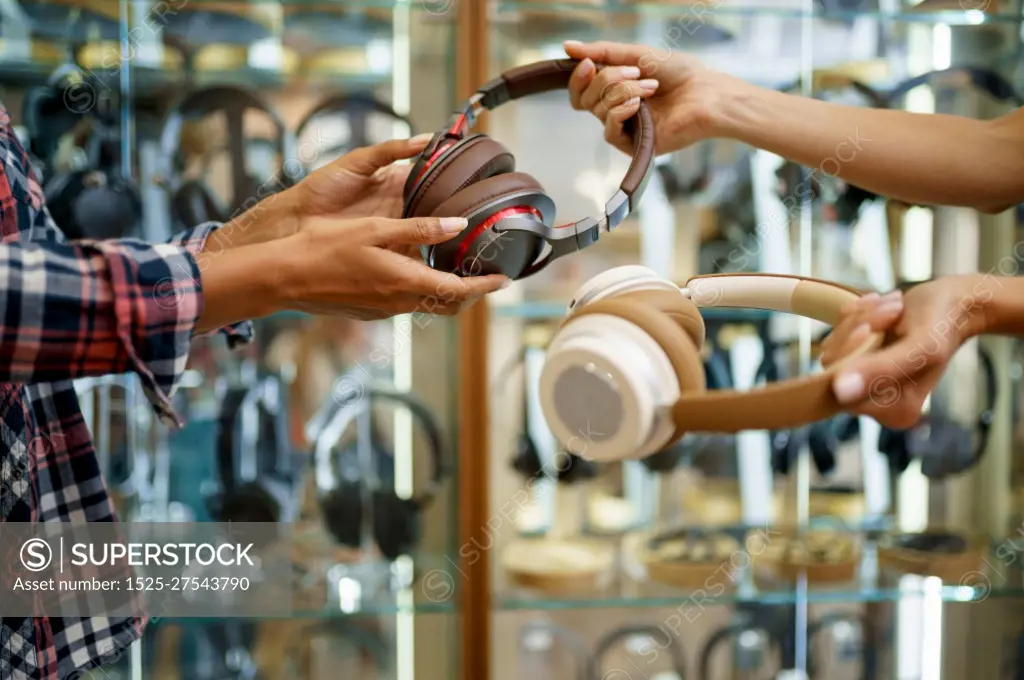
[[877, 603], [193, 111]]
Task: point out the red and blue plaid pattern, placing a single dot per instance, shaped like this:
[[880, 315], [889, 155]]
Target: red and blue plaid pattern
[[70, 310]]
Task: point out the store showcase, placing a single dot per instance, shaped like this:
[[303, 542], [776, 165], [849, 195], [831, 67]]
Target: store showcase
[[465, 496]]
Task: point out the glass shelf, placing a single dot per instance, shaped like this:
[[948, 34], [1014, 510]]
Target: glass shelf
[[697, 11], [627, 593]]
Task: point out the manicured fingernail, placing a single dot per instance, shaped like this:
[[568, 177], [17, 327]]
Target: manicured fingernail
[[635, 101], [870, 297], [420, 140], [586, 67], [894, 295], [649, 85], [889, 308], [572, 43], [505, 284], [848, 388], [630, 72], [454, 224]]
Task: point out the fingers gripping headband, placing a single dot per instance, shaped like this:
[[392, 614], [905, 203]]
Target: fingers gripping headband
[[623, 376], [472, 176]]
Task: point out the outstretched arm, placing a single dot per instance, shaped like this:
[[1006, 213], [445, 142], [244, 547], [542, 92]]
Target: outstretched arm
[[917, 158]]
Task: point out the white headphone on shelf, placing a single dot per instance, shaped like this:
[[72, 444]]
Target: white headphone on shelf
[[623, 376]]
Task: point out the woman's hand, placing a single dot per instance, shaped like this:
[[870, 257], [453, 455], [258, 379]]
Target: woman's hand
[[683, 94], [332, 266], [925, 326], [365, 182]]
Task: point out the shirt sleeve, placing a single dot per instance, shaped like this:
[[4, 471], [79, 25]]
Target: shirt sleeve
[[70, 310]]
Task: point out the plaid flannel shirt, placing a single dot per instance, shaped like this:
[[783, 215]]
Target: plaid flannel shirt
[[70, 310]]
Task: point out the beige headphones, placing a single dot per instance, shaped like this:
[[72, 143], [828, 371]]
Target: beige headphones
[[623, 377]]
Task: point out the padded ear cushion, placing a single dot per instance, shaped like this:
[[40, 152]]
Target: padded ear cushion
[[467, 162], [664, 329], [510, 255], [396, 527], [343, 513], [485, 191], [681, 310]]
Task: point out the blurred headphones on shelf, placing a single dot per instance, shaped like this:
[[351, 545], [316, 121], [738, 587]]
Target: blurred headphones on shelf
[[944, 446], [88, 193], [340, 479], [526, 460], [825, 437], [512, 227], [959, 78], [848, 636], [357, 111], [799, 183], [192, 201], [253, 455], [96, 200], [752, 644], [541, 636], [627, 358], [676, 651]]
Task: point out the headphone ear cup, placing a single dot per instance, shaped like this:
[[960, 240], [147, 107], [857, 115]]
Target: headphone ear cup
[[342, 510], [893, 443], [486, 203], [465, 163], [823, 442], [665, 460], [576, 469], [526, 460], [396, 527], [250, 503], [783, 450]]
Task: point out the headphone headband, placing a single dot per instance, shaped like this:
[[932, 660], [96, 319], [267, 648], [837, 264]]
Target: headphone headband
[[341, 420], [783, 404], [674, 646], [547, 76], [234, 102], [980, 78]]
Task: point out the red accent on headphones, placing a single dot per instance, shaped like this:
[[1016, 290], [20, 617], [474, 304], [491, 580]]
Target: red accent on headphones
[[467, 242]]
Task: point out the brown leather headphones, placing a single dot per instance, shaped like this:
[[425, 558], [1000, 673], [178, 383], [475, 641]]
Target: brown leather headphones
[[511, 219]]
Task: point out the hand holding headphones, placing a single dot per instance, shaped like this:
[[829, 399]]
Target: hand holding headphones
[[511, 227], [892, 385], [624, 370]]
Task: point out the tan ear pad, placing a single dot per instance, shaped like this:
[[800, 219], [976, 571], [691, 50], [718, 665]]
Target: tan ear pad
[[463, 203], [680, 309], [469, 161], [663, 328]]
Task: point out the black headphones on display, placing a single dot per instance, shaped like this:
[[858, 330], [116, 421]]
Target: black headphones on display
[[192, 201], [564, 635], [944, 446], [826, 436], [95, 201], [340, 479], [982, 79], [512, 228], [674, 645], [526, 460], [357, 110], [755, 658], [253, 455], [796, 181], [854, 647]]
